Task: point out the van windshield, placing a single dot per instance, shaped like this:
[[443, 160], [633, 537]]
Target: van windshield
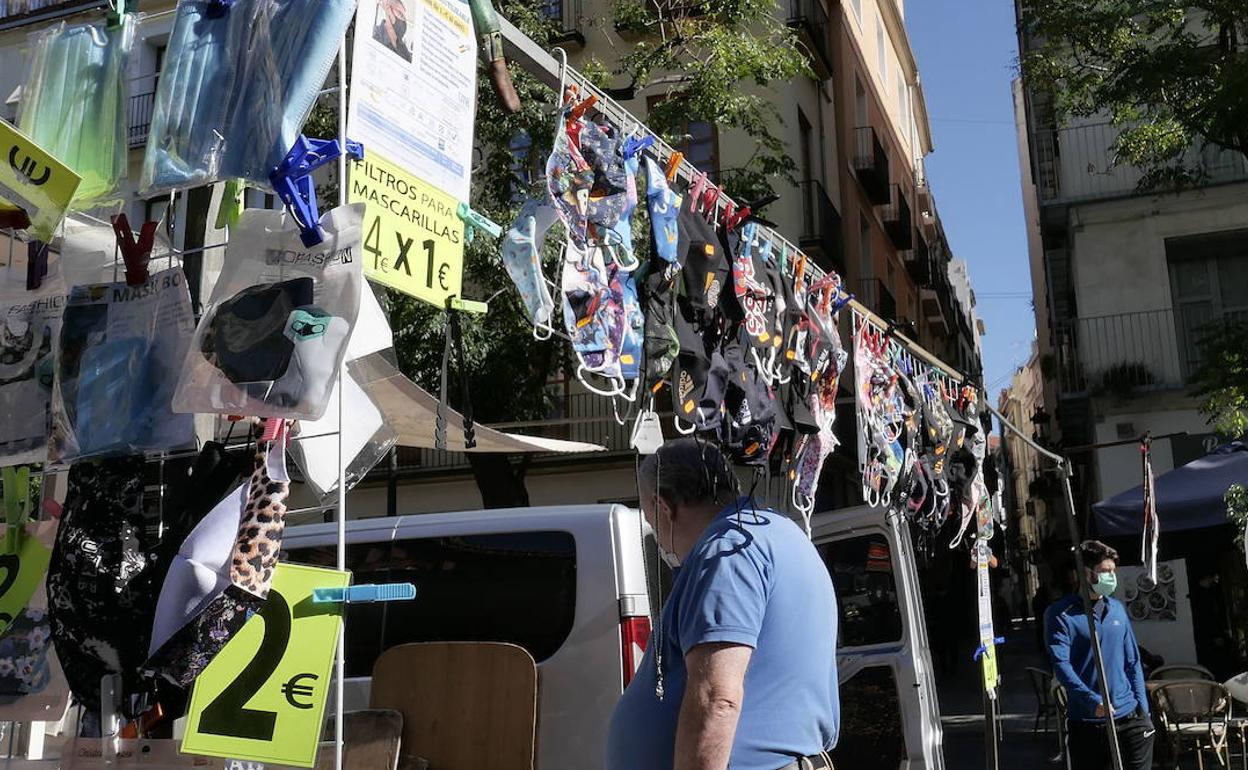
[[516, 587]]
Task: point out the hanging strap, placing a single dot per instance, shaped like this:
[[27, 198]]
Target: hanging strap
[[16, 505], [457, 337], [439, 426]]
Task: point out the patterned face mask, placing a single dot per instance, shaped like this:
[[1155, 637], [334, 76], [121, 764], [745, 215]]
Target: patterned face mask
[[522, 258], [593, 315]]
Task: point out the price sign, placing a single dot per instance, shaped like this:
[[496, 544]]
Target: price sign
[[30, 178], [23, 572], [413, 236], [263, 696]]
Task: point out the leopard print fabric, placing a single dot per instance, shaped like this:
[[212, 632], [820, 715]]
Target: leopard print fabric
[[260, 530]]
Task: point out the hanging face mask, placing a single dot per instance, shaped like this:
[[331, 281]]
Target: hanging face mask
[[593, 316], [522, 257], [72, 100], [1106, 583]]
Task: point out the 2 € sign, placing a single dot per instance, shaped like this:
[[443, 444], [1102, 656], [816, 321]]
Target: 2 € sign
[[263, 696], [413, 236], [31, 179]]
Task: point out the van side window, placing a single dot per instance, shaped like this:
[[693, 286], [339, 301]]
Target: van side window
[[866, 592]]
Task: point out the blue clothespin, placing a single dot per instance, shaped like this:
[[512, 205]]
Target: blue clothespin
[[364, 594], [476, 221], [292, 181], [982, 649], [218, 8], [841, 301], [633, 145]]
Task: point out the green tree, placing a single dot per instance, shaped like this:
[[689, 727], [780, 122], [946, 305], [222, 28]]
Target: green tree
[[1221, 383], [1171, 74]]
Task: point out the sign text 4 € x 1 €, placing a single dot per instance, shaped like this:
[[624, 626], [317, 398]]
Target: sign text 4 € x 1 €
[[413, 237]]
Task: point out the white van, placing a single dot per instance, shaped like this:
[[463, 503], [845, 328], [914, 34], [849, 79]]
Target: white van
[[574, 586]]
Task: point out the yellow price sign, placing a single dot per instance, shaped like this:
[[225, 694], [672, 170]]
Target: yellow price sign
[[413, 236], [31, 179], [263, 696], [989, 661]]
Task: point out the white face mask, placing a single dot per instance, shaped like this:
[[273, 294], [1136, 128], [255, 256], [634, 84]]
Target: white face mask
[[670, 559]]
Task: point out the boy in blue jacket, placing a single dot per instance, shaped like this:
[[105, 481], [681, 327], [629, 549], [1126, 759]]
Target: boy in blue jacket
[[1070, 650]]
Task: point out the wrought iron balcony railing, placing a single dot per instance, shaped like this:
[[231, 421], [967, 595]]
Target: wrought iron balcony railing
[[898, 222], [141, 118], [871, 164], [821, 225], [14, 13], [810, 19], [875, 295]]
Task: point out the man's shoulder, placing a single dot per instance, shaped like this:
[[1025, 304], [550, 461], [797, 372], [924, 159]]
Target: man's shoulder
[[1067, 605]]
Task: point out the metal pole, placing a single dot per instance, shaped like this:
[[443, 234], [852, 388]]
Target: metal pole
[[340, 660]]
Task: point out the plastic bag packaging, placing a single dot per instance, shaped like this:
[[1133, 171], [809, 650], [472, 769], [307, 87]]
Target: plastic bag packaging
[[366, 438], [237, 88], [30, 322], [118, 355], [275, 333], [116, 754], [74, 101]]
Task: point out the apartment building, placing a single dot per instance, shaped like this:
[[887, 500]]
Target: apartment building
[[857, 129], [1124, 283], [1037, 525]]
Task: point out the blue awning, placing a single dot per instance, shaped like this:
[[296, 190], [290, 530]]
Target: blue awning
[[1188, 497]]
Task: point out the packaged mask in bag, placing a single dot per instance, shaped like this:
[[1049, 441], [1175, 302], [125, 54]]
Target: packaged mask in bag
[[74, 101], [237, 88], [275, 333], [30, 323], [118, 356]]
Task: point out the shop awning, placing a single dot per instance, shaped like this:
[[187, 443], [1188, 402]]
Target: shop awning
[[1188, 497]]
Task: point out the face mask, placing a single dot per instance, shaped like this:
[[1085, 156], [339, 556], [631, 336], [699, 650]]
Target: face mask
[[670, 559], [1106, 583]]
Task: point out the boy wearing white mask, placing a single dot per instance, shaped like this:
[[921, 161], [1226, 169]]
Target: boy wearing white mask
[[1070, 650]]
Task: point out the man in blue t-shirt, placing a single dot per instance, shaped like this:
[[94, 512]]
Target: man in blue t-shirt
[[741, 670], [1070, 650]]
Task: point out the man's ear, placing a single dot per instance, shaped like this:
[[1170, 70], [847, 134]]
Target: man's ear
[[666, 508]]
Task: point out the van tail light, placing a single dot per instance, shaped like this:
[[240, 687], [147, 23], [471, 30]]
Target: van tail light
[[634, 635]]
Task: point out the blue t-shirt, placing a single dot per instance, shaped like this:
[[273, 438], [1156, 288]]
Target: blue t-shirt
[[753, 578], [1070, 650]]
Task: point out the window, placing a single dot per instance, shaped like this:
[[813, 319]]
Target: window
[[871, 733], [903, 107], [700, 145], [807, 168], [861, 116], [864, 247], [866, 593], [1208, 286], [881, 50], [517, 587], [857, 6]]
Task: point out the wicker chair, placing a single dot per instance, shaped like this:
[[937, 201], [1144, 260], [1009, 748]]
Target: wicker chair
[[1046, 704], [1186, 672], [1194, 713]]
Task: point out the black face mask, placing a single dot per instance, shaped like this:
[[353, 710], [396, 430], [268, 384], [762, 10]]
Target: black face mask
[[246, 338]]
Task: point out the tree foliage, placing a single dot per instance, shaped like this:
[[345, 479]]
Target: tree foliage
[[1170, 73], [1221, 380]]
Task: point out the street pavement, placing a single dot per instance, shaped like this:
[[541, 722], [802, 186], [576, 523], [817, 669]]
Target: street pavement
[[962, 711]]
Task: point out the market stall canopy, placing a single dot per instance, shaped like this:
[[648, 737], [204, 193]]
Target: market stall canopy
[[1188, 497], [412, 413]]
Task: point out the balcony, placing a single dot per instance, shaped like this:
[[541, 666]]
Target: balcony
[[821, 226], [898, 222], [922, 191], [566, 14], [15, 13], [1077, 164], [810, 20], [919, 262], [141, 118], [871, 165], [1122, 354], [875, 295]]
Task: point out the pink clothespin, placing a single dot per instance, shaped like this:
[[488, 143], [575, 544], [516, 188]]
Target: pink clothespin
[[274, 428], [696, 189], [730, 209]]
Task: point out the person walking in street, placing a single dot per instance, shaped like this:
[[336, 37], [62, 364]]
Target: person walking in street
[[741, 670], [1070, 650]]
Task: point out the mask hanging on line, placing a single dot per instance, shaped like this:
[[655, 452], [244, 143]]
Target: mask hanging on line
[[74, 102]]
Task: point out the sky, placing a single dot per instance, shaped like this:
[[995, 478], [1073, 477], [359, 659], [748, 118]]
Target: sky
[[966, 52]]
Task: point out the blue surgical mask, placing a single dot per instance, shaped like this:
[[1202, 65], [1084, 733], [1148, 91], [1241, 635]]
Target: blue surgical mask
[[1106, 583]]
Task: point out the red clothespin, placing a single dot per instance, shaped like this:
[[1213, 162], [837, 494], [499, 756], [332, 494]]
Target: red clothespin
[[737, 217], [730, 209], [709, 200], [135, 254], [696, 188]]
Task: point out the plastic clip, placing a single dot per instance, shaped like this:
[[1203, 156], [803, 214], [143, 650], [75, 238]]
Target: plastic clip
[[16, 505], [730, 213], [696, 187], [365, 594], [292, 181], [710, 200], [673, 165], [467, 305], [475, 220], [36, 264], [578, 111], [982, 650], [231, 204], [273, 428], [218, 8], [633, 145], [134, 253]]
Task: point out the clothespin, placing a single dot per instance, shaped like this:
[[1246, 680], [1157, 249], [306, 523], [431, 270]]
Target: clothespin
[[730, 209], [467, 305], [16, 504], [218, 8], [273, 428], [673, 165], [475, 220], [696, 187], [292, 181], [365, 594], [36, 264], [578, 110], [231, 204], [709, 200], [116, 13], [634, 145], [982, 650], [733, 220], [135, 254]]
